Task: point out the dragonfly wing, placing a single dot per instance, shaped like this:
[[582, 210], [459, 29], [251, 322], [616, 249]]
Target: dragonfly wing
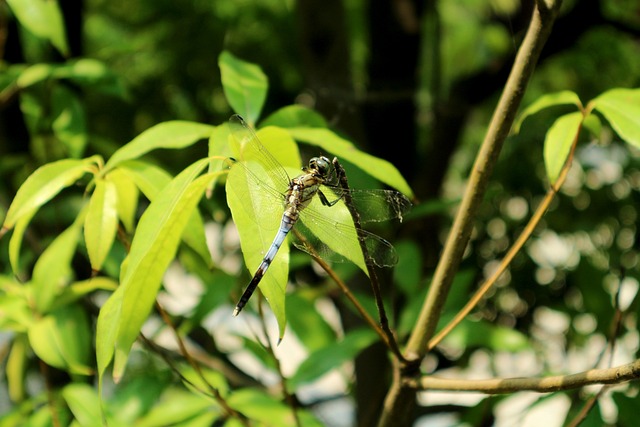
[[331, 232], [260, 165], [376, 205]]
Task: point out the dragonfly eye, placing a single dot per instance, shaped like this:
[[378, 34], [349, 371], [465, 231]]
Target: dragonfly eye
[[321, 164]]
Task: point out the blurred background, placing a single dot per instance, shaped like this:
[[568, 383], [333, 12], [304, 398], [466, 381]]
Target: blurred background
[[413, 82]]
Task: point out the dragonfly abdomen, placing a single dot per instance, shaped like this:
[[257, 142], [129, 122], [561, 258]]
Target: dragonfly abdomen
[[286, 225]]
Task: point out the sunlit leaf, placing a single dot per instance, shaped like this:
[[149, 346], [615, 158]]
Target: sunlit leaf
[[244, 85], [43, 184], [107, 331], [153, 247], [173, 134], [621, 108], [558, 141], [151, 180], [16, 367], [127, 197], [101, 222], [16, 239], [44, 19], [329, 141], [293, 116], [332, 356], [83, 403], [565, 97]]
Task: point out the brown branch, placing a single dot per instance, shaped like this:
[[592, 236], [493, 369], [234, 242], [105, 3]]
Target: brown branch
[[617, 375]]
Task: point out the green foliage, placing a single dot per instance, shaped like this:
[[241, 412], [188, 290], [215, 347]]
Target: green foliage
[[95, 227]]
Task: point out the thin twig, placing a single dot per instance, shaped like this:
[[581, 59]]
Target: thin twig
[[344, 288], [617, 375], [373, 276], [183, 350], [289, 398]]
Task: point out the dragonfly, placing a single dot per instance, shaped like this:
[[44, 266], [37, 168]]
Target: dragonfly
[[293, 200]]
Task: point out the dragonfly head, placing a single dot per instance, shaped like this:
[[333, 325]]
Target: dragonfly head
[[321, 165]]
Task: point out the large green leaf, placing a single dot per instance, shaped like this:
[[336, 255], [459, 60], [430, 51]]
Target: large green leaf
[[151, 180], [558, 141], [127, 197], [244, 85], [44, 19], [107, 331], [153, 247], [565, 97], [101, 222], [43, 184], [332, 356], [173, 134], [63, 339], [329, 141], [52, 272], [621, 108], [83, 403], [177, 405]]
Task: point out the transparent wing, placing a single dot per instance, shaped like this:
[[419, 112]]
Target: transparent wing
[[375, 205], [380, 251], [259, 165]]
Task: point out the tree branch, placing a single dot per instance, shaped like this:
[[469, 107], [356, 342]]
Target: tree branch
[[617, 375]]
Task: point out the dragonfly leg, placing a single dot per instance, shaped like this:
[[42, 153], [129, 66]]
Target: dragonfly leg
[[325, 201]]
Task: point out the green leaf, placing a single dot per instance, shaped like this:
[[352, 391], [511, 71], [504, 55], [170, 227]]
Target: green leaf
[[176, 406], [267, 410], [77, 290], [107, 331], [558, 141], [69, 121], [621, 108], [550, 100], [43, 184], [44, 19], [307, 323], [16, 239], [127, 197], [175, 134], [92, 73], [331, 357], [16, 368], [101, 222], [34, 74], [52, 272], [62, 339], [293, 116], [244, 85], [151, 180], [258, 219], [83, 403], [329, 141], [152, 249]]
